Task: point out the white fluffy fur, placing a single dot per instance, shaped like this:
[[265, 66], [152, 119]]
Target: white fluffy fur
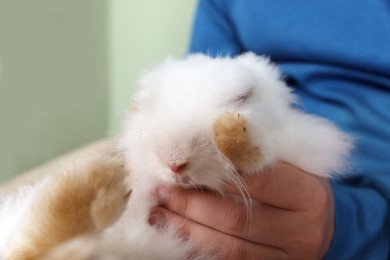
[[180, 100], [16, 213], [171, 121], [173, 117], [12, 213]]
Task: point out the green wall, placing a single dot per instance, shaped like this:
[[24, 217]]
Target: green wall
[[143, 33], [68, 69]]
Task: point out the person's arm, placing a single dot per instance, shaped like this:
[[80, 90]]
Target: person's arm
[[362, 219]]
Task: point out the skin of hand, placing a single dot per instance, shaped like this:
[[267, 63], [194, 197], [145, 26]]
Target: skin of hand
[[292, 216]]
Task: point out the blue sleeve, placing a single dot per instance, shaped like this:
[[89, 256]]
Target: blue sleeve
[[362, 214], [213, 32], [362, 220]]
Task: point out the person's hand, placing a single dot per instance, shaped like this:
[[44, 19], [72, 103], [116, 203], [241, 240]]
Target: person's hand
[[292, 216]]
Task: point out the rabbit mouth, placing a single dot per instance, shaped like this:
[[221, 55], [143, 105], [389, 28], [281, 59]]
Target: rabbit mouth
[[182, 180]]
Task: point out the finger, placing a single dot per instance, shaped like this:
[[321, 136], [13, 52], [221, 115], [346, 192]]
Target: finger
[[283, 186], [222, 245], [261, 223]]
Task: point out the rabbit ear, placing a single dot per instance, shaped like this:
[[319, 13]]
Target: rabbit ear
[[268, 75], [232, 139]]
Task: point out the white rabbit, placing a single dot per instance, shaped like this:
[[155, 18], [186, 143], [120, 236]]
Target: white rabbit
[[204, 122]]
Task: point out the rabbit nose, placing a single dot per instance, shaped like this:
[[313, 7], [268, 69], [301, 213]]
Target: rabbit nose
[[178, 168]]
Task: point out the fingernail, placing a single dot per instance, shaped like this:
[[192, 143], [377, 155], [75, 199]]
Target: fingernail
[[162, 194], [157, 219]]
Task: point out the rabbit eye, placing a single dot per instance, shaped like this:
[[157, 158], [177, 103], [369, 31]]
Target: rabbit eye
[[240, 99]]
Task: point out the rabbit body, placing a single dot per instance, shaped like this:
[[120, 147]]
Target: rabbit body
[[204, 122]]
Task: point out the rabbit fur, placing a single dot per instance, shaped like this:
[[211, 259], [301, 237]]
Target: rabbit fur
[[195, 122]]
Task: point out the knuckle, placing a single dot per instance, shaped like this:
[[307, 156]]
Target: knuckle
[[322, 205], [321, 198], [175, 200], [264, 181], [309, 242], [321, 195]]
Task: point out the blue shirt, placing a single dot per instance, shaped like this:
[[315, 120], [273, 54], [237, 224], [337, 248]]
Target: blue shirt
[[336, 55]]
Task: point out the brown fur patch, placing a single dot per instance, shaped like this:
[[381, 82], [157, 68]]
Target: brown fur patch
[[233, 140], [85, 198]]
